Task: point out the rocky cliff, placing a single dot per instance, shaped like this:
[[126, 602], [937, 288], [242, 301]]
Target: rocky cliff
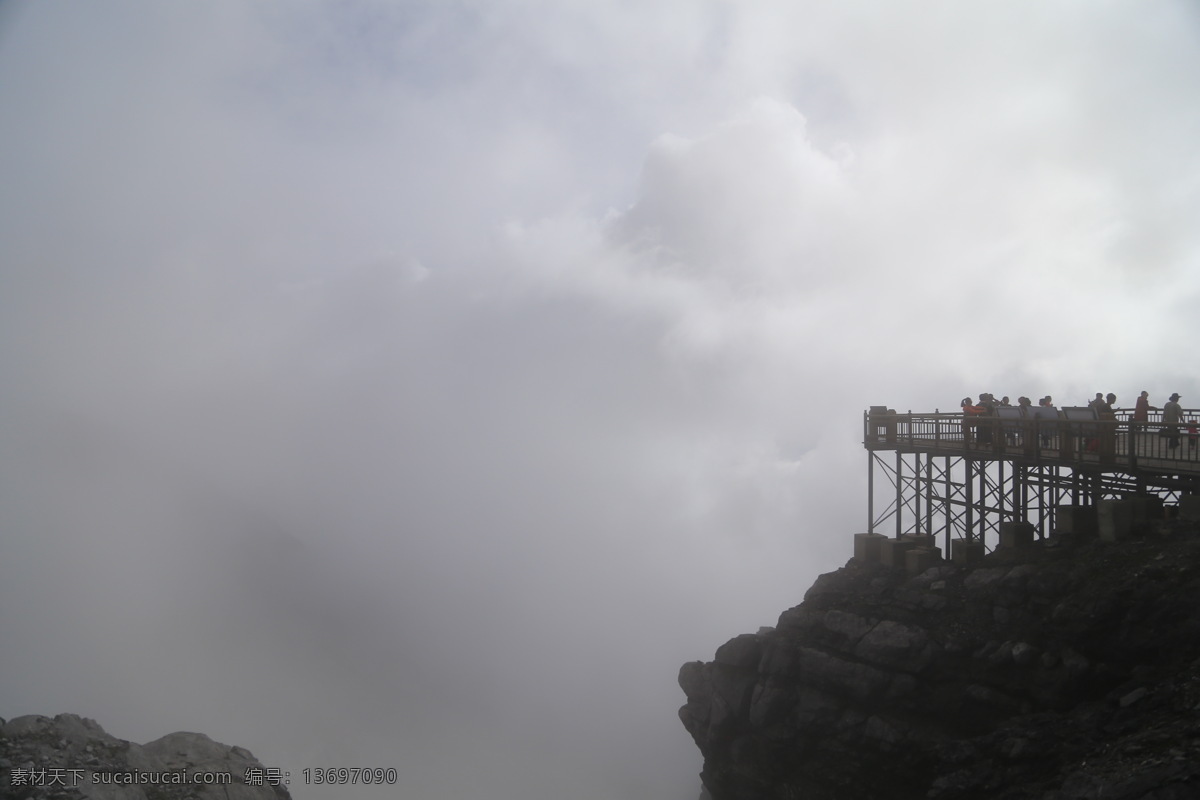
[[1064, 670], [69, 757]]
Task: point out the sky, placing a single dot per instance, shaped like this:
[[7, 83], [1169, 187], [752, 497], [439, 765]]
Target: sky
[[420, 384]]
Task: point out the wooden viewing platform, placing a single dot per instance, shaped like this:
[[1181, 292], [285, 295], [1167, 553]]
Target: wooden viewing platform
[[963, 475]]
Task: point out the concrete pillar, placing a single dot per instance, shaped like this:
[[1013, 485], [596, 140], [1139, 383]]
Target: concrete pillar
[[1147, 507], [919, 559], [894, 550], [1016, 534], [1117, 519], [1080, 520], [965, 552], [868, 547], [920, 540], [1189, 507]]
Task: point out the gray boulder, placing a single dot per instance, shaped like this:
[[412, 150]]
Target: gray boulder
[[73, 757]]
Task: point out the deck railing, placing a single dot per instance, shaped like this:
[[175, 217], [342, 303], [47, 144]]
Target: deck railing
[[1071, 436]]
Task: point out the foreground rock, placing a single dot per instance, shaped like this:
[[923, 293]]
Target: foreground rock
[[72, 757], [1059, 672]]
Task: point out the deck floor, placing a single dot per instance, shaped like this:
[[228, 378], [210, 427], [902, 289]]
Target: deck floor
[[1123, 452]]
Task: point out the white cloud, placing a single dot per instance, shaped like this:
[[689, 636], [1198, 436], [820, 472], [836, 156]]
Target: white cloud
[[451, 374]]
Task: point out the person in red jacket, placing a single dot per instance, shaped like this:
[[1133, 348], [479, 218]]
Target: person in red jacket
[[1142, 409], [971, 413]]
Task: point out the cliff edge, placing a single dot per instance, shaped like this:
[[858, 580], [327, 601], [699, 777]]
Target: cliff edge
[[1063, 670]]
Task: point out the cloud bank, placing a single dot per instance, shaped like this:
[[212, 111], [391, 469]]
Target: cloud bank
[[419, 385]]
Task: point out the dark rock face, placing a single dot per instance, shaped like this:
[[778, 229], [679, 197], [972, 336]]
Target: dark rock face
[[1058, 672], [71, 757]]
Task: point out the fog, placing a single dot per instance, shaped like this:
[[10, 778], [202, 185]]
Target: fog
[[420, 384]]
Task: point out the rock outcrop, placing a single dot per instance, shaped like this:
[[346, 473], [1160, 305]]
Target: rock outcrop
[[72, 757], [1064, 670]]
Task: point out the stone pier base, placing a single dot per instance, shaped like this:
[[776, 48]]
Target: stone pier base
[[919, 559], [1115, 518], [894, 550], [1016, 534], [1189, 507], [920, 540], [965, 552], [1119, 519], [868, 547], [1080, 520]]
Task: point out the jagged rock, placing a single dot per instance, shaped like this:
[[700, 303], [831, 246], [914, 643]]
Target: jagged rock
[[1051, 672], [897, 646], [741, 651], [72, 757], [850, 627]]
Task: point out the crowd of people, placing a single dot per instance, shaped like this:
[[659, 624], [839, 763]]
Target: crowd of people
[[1102, 403], [1172, 418]]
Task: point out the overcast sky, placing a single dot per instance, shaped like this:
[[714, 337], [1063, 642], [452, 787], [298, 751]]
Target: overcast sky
[[419, 384]]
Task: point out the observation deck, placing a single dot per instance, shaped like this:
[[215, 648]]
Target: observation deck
[[961, 475]]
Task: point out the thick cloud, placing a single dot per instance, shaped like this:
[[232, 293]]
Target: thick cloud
[[420, 385]]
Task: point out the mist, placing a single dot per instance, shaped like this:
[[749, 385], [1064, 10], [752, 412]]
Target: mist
[[419, 385]]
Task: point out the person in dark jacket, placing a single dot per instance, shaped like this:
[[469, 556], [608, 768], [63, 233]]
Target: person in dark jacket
[[1045, 412], [988, 403], [1172, 415], [1107, 439]]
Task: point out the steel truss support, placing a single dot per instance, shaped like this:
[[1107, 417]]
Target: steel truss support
[[943, 477], [952, 497]]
